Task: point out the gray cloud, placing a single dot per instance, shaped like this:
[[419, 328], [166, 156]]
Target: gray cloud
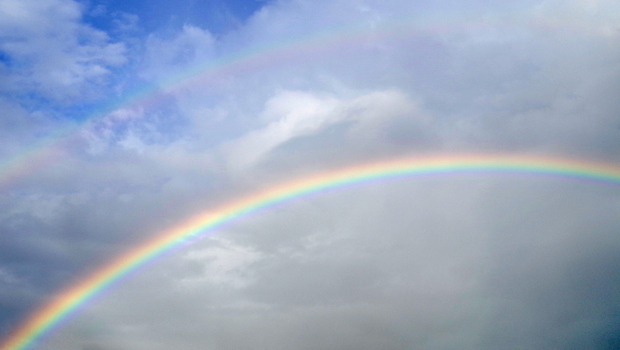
[[479, 262], [432, 262]]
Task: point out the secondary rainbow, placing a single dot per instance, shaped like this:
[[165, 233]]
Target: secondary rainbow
[[43, 321], [252, 58]]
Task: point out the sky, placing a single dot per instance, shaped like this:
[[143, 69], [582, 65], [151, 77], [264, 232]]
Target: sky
[[120, 120]]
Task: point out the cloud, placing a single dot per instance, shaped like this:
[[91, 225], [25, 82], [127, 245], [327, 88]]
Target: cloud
[[19, 127], [372, 118], [435, 262], [223, 264], [471, 264], [165, 57], [295, 114], [49, 51]]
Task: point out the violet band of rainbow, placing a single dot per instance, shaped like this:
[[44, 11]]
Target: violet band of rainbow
[[43, 321]]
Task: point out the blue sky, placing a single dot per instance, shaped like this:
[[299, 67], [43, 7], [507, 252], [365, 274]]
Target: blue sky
[[244, 95], [160, 16]]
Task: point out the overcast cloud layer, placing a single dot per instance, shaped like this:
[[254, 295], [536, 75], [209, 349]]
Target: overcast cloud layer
[[468, 262]]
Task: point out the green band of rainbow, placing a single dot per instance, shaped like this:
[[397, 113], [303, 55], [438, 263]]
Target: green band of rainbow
[[43, 321]]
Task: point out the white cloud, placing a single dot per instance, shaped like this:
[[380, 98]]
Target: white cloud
[[294, 114], [166, 57], [291, 114], [52, 52], [125, 22]]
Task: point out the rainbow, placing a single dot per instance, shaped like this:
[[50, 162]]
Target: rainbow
[[49, 317]]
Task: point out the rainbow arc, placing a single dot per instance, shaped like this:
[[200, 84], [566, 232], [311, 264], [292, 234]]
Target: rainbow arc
[[50, 316]]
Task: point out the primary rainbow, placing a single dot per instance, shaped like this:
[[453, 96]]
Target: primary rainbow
[[43, 321]]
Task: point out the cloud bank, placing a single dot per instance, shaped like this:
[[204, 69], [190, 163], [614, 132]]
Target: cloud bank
[[298, 88]]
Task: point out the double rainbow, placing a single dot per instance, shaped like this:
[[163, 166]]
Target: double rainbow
[[46, 319]]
